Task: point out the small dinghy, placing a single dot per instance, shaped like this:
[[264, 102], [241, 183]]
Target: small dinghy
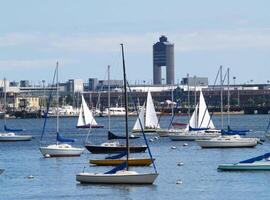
[[253, 164]]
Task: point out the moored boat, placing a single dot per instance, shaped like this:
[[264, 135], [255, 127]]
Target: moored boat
[[253, 164], [228, 141], [131, 162]]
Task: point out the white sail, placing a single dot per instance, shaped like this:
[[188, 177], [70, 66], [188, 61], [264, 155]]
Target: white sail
[[88, 115], [192, 121], [137, 125], [81, 121], [204, 120], [151, 120]]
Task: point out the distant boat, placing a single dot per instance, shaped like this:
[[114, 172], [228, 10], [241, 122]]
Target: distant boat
[[253, 164], [121, 173], [60, 149], [150, 124], [9, 135], [200, 125], [86, 118]]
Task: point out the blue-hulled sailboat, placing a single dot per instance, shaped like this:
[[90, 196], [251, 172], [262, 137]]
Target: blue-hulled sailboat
[[60, 149], [120, 174]]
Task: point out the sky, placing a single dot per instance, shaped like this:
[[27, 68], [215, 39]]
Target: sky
[[85, 36]]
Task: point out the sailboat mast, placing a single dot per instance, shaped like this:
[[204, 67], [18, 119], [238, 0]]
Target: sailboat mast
[[228, 109], [5, 100], [188, 97], [221, 95], [109, 97], [126, 103], [57, 99], [195, 102]]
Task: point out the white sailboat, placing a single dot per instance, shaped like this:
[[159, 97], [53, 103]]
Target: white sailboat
[[10, 135], [228, 141], [59, 149], [150, 123], [121, 174], [86, 118], [200, 125]]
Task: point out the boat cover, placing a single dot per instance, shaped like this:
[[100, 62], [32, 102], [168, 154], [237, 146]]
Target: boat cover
[[117, 168], [120, 155], [12, 129], [59, 138], [258, 158]]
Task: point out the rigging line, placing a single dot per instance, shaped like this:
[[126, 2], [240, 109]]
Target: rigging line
[[141, 125], [48, 105], [214, 85]]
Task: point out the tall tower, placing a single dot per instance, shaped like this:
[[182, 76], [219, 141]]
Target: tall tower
[[163, 55]]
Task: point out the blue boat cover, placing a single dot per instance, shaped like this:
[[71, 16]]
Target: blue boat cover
[[59, 138], [197, 129], [12, 129], [117, 156], [230, 131], [117, 168], [258, 158]]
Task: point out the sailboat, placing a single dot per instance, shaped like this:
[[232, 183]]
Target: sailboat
[[150, 124], [227, 141], [9, 135], [113, 147], [200, 125], [60, 149], [86, 118], [258, 163], [120, 174]]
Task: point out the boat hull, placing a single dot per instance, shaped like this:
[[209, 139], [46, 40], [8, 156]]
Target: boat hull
[[15, 138], [131, 162], [88, 126], [244, 167], [57, 152], [148, 131], [90, 178], [225, 144], [190, 137], [114, 149]]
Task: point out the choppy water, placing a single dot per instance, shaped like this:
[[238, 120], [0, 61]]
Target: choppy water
[[54, 178]]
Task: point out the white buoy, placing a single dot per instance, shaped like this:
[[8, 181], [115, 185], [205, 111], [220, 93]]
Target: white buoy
[[185, 144], [179, 182], [180, 164], [47, 156], [173, 147], [30, 177], [151, 140], [156, 138]]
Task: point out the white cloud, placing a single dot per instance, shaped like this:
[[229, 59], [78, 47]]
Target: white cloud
[[104, 43], [33, 64]]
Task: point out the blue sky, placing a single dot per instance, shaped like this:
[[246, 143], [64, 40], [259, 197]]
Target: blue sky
[[84, 36]]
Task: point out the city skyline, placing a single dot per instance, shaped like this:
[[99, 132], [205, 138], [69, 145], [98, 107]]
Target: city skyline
[[85, 36]]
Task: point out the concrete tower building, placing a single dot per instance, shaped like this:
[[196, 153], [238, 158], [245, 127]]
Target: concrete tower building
[[163, 55]]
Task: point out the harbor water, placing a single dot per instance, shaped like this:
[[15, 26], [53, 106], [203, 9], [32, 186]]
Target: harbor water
[[29, 176]]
